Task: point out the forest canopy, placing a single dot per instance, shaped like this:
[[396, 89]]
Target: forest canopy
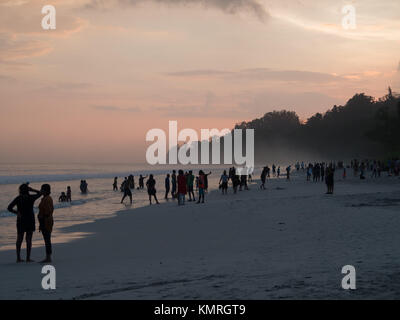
[[364, 127]]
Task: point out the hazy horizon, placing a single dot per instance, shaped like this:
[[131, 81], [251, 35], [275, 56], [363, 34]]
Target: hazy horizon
[[89, 91]]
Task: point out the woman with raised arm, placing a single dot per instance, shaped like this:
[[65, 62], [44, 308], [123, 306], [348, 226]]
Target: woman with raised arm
[[25, 218]]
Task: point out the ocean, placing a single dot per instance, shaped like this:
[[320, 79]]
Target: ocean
[[100, 202]]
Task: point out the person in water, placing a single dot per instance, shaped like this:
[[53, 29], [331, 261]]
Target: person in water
[[84, 186], [46, 221], [25, 218], [63, 197], [151, 188], [127, 190], [181, 188], [115, 184], [69, 194]]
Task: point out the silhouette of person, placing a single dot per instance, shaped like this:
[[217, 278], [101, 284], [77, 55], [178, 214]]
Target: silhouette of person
[[25, 218]]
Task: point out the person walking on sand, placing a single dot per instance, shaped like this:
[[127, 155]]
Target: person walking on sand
[[46, 221], [115, 184], [127, 190], [167, 186], [235, 183], [151, 188], [181, 188], [190, 183], [25, 218], [223, 181], [201, 186], [263, 178]]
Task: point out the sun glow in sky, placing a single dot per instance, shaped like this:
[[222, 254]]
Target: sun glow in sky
[[91, 89]]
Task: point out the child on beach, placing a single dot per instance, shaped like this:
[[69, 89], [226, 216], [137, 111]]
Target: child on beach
[[62, 197]]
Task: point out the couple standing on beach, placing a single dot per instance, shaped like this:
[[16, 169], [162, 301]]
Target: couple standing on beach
[[26, 219]]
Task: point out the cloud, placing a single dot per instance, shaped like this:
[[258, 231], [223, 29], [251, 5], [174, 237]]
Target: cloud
[[262, 74], [398, 68], [13, 48], [115, 109], [227, 6], [199, 73]]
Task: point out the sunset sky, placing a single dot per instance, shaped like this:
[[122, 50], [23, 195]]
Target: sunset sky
[[114, 69]]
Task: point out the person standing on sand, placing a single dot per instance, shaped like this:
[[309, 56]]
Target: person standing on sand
[[25, 218], [127, 190], [141, 181], [173, 181], [201, 186], [181, 188], [151, 188], [288, 172], [167, 186], [190, 183], [46, 221], [223, 181], [329, 180], [206, 181]]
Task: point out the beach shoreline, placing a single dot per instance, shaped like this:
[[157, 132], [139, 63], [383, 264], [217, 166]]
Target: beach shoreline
[[288, 242]]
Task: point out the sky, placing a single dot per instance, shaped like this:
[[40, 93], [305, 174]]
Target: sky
[[113, 69]]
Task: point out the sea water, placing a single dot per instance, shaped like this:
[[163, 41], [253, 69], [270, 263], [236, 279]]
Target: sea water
[[100, 202]]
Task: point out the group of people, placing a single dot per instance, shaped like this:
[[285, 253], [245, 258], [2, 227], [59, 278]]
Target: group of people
[[84, 187], [66, 196], [22, 207], [178, 185]]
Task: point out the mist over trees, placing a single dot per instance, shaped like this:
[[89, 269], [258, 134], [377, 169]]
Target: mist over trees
[[364, 127]]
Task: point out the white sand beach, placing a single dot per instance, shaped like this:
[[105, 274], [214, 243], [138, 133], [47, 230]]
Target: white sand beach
[[290, 241]]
